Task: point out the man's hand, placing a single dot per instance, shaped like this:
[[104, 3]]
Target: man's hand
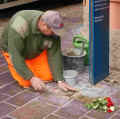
[[37, 84], [64, 86]]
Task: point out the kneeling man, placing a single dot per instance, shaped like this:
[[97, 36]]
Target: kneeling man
[[32, 48]]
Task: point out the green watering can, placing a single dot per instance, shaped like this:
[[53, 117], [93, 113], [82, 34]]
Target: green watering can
[[82, 44]]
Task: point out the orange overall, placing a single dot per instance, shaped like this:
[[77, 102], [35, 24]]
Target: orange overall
[[38, 65]]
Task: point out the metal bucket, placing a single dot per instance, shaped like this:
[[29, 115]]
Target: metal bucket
[[70, 77], [74, 62]]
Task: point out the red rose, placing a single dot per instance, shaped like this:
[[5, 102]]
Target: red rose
[[108, 99], [109, 110], [109, 104]]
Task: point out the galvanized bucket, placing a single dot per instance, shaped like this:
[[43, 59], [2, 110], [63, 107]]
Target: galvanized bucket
[[74, 62]]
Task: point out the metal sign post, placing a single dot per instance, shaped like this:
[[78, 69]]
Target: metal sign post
[[99, 40]]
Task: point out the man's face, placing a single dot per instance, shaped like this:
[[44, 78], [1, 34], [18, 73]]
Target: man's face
[[44, 28]]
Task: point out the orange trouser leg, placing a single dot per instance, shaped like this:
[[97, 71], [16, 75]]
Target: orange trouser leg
[[39, 66]]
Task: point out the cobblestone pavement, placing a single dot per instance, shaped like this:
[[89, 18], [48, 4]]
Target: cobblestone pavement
[[19, 103]]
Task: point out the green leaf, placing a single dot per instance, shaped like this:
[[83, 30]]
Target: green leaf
[[89, 106], [96, 106], [104, 102]]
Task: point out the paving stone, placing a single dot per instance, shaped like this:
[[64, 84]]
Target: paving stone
[[11, 89], [72, 111], [4, 75], [5, 78], [118, 111], [100, 115], [55, 100], [33, 110], [22, 98], [3, 69], [86, 118], [116, 117], [7, 118], [2, 61], [34, 92], [3, 97], [5, 109], [56, 91], [54, 117], [116, 98]]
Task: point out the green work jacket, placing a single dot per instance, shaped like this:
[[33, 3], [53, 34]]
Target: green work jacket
[[22, 40]]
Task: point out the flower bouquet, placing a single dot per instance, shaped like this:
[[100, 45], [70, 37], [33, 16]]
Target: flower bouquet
[[102, 104]]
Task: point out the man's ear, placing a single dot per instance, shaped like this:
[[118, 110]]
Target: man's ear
[[44, 23]]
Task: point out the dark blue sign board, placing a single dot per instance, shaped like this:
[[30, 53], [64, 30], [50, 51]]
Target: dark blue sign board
[[99, 40]]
